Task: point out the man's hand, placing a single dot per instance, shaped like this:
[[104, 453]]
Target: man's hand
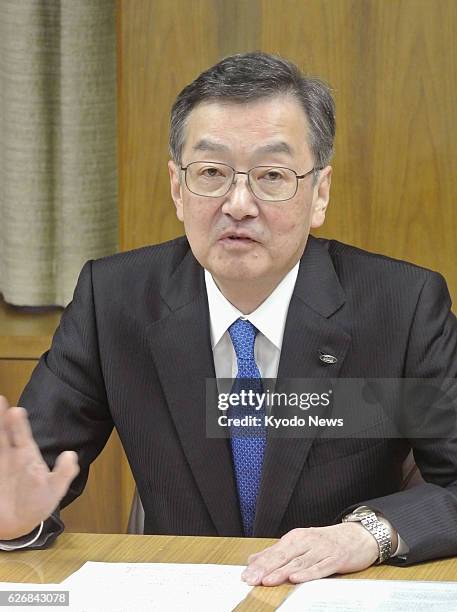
[[29, 491], [316, 552]]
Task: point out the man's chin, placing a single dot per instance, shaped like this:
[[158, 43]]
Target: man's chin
[[237, 273]]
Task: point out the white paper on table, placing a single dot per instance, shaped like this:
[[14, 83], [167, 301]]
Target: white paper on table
[[372, 596], [123, 587]]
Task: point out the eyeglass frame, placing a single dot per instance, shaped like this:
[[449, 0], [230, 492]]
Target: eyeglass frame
[[235, 172]]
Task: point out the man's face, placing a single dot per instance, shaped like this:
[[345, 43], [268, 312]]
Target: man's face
[[270, 131]]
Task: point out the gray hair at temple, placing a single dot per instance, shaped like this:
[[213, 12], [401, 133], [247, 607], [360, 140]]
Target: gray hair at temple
[[248, 77]]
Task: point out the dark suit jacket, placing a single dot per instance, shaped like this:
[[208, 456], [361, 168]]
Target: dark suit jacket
[[133, 350]]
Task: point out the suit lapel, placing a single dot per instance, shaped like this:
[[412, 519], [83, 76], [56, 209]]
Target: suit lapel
[[181, 348], [309, 331]]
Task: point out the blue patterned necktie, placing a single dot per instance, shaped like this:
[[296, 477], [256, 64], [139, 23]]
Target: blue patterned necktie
[[247, 450]]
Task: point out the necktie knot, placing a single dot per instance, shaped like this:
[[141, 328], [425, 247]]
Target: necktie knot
[[243, 333]]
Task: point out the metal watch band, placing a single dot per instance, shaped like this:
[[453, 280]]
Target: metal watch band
[[378, 530]]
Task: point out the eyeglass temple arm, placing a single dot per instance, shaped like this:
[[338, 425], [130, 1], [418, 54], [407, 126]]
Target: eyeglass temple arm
[[302, 176]]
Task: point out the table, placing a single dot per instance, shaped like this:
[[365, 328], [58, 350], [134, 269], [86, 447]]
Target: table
[[72, 549]]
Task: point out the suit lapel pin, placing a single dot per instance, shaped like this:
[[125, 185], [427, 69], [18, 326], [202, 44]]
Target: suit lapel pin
[[326, 358]]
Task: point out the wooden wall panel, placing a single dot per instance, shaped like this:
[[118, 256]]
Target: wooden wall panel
[[161, 44], [100, 507], [14, 374], [393, 67]]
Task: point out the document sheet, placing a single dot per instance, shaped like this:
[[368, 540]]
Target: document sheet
[[123, 587], [372, 596]]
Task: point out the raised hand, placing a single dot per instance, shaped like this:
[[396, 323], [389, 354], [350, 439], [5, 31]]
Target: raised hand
[[29, 491]]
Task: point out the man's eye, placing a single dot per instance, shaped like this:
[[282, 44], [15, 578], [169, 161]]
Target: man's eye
[[273, 176], [211, 172]]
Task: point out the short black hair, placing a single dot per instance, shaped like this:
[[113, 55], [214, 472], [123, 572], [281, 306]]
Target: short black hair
[[246, 77]]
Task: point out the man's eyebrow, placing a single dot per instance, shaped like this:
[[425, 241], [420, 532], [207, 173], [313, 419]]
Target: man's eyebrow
[[275, 147], [209, 145]]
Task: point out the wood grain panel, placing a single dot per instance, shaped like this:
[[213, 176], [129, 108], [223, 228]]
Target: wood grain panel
[[238, 26], [14, 374], [26, 332], [161, 46], [99, 509], [393, 68]]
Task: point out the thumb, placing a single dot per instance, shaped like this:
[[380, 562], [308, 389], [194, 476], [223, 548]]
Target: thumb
[[65, 470], [4, 405]]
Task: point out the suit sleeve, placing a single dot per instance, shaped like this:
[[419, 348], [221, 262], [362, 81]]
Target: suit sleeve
[[426, 515], [66, 399]]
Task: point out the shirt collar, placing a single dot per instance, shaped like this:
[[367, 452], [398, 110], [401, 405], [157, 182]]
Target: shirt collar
[[269, 317]]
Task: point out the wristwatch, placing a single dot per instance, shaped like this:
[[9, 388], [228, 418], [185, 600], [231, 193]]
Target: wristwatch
[[378, 530]]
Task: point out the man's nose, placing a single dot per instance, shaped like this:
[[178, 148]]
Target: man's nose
[[240, 201]]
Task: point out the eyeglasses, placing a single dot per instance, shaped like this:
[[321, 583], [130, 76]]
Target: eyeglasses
[[269, 183]]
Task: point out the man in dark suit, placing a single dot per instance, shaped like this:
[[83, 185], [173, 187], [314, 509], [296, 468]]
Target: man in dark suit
[[247, 293]]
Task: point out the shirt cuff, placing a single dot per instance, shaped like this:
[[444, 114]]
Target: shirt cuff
[[19, 542], [402, 548]]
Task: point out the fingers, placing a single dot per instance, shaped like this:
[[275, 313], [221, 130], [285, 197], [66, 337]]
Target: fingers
[[303, 568], [282, 574], [273, 558], [17, 425], [295, 567], [4, 405], [65, 471], [325, 567], [14, 426]]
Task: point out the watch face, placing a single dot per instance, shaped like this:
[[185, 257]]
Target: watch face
[[361, 514], [357, 516], [350, 518]]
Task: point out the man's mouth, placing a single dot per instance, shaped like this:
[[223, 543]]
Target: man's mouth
[[237, 237], [237, 242]]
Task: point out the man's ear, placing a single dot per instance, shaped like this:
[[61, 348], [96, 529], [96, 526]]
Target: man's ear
[[175, 186], [321, 196]]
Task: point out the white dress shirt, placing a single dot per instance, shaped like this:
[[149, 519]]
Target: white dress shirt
[[269, 318]]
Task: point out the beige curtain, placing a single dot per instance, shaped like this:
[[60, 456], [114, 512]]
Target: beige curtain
[[58, 185]]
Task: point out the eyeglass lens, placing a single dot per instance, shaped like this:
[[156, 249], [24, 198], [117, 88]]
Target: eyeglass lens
[[266, 182]]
